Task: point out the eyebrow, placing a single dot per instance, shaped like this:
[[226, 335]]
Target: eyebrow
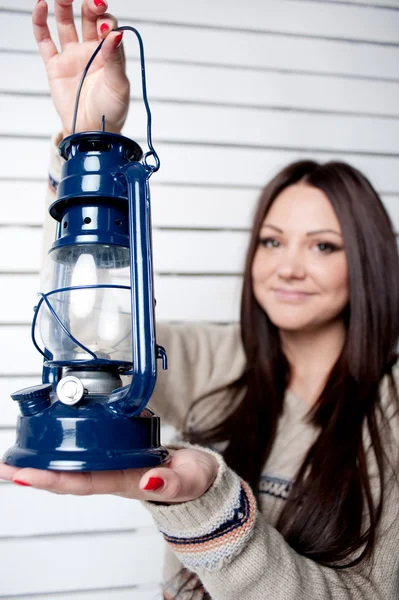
[[315, 232], [273, 227]]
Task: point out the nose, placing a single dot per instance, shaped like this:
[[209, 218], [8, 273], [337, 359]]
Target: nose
[[291, 264]]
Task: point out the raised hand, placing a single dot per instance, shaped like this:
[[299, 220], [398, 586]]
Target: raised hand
[[106, 87], [187, 476]]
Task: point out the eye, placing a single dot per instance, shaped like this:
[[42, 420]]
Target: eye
[[269, 242], [326, 247]]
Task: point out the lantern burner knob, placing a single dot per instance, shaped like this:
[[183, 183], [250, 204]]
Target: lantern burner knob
[[70, 390]]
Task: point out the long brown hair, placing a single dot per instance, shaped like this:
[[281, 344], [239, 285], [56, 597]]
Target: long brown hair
[[323, 517]]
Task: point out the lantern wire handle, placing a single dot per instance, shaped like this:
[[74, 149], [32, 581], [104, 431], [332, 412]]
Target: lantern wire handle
[[151, 151], [44, 298], [60, 323]]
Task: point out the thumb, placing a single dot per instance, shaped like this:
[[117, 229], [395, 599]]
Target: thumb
[[115, 62], [186, 478]]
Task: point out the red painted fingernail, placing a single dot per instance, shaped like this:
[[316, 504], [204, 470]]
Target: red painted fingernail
[[118, 40], [99, 3], [104, 27], [18, 482], [154, 483]]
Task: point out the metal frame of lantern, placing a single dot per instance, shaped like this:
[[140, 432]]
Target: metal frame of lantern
[[104, 180]]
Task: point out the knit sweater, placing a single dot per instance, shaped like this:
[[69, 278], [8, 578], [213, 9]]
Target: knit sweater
[[233, 547], [223, 537]]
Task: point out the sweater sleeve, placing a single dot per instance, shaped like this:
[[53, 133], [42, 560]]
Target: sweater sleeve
[[228, 543], [202, 360], [55, 164]]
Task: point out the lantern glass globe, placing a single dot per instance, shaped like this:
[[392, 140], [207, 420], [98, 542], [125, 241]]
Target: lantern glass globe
[[98, 316]]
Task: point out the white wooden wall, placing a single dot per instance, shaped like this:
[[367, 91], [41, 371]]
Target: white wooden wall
[[237, 90]]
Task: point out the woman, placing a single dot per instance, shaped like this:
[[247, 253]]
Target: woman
[[302, 403]]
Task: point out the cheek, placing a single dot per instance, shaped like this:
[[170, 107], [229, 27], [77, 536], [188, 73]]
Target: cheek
[[256, 267], [260, 266], [335, 279]]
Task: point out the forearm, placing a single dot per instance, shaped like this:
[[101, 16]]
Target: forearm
[[54, 174], [268, 567], [237, 554]]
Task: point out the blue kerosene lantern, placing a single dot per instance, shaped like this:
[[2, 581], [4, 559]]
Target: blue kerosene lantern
[[95, 316]]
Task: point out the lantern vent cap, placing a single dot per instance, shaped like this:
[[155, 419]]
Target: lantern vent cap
[[102, 141]]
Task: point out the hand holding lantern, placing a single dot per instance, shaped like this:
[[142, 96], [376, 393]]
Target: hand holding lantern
[[106, 89], [187, 476]]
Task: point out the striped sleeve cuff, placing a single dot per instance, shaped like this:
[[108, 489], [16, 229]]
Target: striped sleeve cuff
[[208, 532], [52, 183]]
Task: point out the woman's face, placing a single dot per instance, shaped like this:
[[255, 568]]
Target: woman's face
[[299, 271]]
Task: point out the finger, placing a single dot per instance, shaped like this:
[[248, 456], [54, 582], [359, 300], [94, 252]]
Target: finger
[[55, 481], [80, 484], [7, 473], [114, 63], [46, 46], [65, 22], [188, 475], [174, 485], [105, 25], [92, 10], [166, 485]]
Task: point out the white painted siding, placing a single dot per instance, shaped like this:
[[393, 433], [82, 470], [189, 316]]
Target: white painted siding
[[237, 91]]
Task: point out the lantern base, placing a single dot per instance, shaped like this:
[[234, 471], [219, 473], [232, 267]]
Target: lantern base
[[88, 438], [20, 457]]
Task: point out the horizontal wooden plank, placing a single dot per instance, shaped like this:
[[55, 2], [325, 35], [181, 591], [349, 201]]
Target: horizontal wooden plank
[[205, 165], [178, 299], [8, 408], [174, 251], [51, 514], [374, 3], [93, 562], [164, 42], [228, 208], [172, 206], [223, 125], [202, 252], [208, 299], [22, 202], [213, 84], [7, 439], [26, 244], [182, 298], [19, 356], [303, 18], [128, 593], [18, 298]]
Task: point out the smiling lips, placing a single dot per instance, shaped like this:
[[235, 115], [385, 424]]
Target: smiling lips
[[291, 296]]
